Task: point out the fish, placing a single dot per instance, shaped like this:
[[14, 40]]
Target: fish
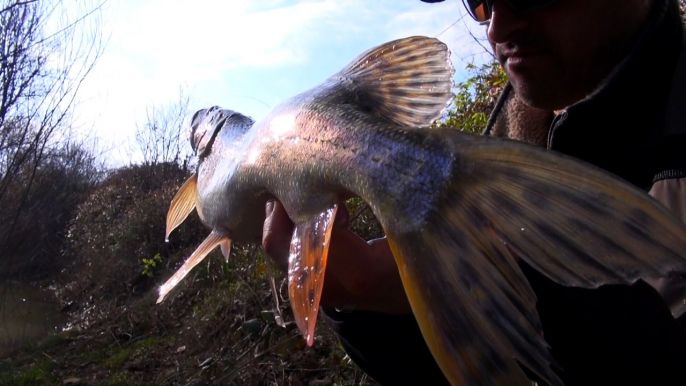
[[458, 210]]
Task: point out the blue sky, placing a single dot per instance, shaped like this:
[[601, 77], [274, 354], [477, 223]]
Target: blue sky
[[245, 55]]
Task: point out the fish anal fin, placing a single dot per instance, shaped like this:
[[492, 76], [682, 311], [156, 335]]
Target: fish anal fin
[[306, 267], [182, 204], [408, 81], [211, 242], [225, 246]]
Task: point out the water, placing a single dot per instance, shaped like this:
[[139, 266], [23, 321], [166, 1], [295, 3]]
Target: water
[[27, 314]]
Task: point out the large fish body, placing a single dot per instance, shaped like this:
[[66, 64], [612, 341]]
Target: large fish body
[[458, 209]]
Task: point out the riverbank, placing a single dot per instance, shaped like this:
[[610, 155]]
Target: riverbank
[[207, 333]]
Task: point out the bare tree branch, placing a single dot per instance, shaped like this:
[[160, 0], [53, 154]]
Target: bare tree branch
[[160, 138], [16, 4], [46, 52]]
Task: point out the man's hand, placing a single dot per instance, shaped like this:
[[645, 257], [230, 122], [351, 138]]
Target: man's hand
[[359, 273]]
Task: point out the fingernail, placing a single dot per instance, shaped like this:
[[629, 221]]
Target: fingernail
[[269, 208]]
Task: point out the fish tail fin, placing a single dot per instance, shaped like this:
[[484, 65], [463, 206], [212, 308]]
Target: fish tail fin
[[576, 224], [408, 81]]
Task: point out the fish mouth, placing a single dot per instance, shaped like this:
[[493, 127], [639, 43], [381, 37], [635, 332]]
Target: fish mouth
[[203, 129], [207, 123]]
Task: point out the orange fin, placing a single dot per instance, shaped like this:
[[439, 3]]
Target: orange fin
[[306, 267], [182, 204], [225, 246], [211, 242]]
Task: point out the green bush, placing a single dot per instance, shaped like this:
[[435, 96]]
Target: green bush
[[475, 98]]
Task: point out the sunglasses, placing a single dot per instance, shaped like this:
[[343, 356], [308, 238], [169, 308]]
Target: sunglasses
[[481, 10]]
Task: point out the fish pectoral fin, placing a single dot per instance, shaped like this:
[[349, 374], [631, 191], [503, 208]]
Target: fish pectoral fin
[[211, 242], [183, 203], [573, 222], [409, 81], [306, 266]]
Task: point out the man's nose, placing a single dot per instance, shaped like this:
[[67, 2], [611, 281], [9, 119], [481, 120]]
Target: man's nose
[[505, 22]]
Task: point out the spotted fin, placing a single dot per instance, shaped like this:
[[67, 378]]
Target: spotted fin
[[408, 81], [474, 308], [306, 267], [211, 242], [182, 204], [575, 223]]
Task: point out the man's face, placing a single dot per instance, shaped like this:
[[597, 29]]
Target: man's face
[[558, 55]]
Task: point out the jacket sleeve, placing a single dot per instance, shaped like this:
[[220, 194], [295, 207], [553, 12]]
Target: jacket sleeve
[[389, 348], [672, 193]]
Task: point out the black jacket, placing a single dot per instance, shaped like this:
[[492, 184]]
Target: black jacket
[[634, 125]]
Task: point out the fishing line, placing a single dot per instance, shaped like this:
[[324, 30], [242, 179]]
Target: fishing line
[[448, 27]]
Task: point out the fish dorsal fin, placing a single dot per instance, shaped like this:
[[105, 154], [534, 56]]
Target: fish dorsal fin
[[182, 204], [306, 267], [408, 81]]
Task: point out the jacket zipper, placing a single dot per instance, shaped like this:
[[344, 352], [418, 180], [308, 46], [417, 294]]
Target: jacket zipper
[[558, 120]]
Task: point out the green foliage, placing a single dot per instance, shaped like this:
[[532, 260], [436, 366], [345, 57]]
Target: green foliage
[[150, 264], [119, 380], [36, 373], [362, 219], [475, 98], [116, 360]]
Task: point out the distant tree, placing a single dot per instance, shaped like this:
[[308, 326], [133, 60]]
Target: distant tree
[[33, 221], [47, 48], [162, 139]]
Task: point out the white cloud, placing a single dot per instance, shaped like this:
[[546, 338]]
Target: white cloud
[[243, 53], [209, 35]]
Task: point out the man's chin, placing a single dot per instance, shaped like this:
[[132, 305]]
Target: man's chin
[[538, 95]]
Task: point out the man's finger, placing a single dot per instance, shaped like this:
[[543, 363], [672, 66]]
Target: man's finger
[[276, 234]]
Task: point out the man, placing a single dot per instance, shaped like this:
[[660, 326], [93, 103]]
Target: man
[[603, 81]]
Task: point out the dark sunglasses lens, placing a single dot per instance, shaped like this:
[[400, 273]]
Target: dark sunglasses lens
[[528, 5], [478, 9]]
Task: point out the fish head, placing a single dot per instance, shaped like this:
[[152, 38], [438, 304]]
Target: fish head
[[214, 134], [208, 123], [218, 138]]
